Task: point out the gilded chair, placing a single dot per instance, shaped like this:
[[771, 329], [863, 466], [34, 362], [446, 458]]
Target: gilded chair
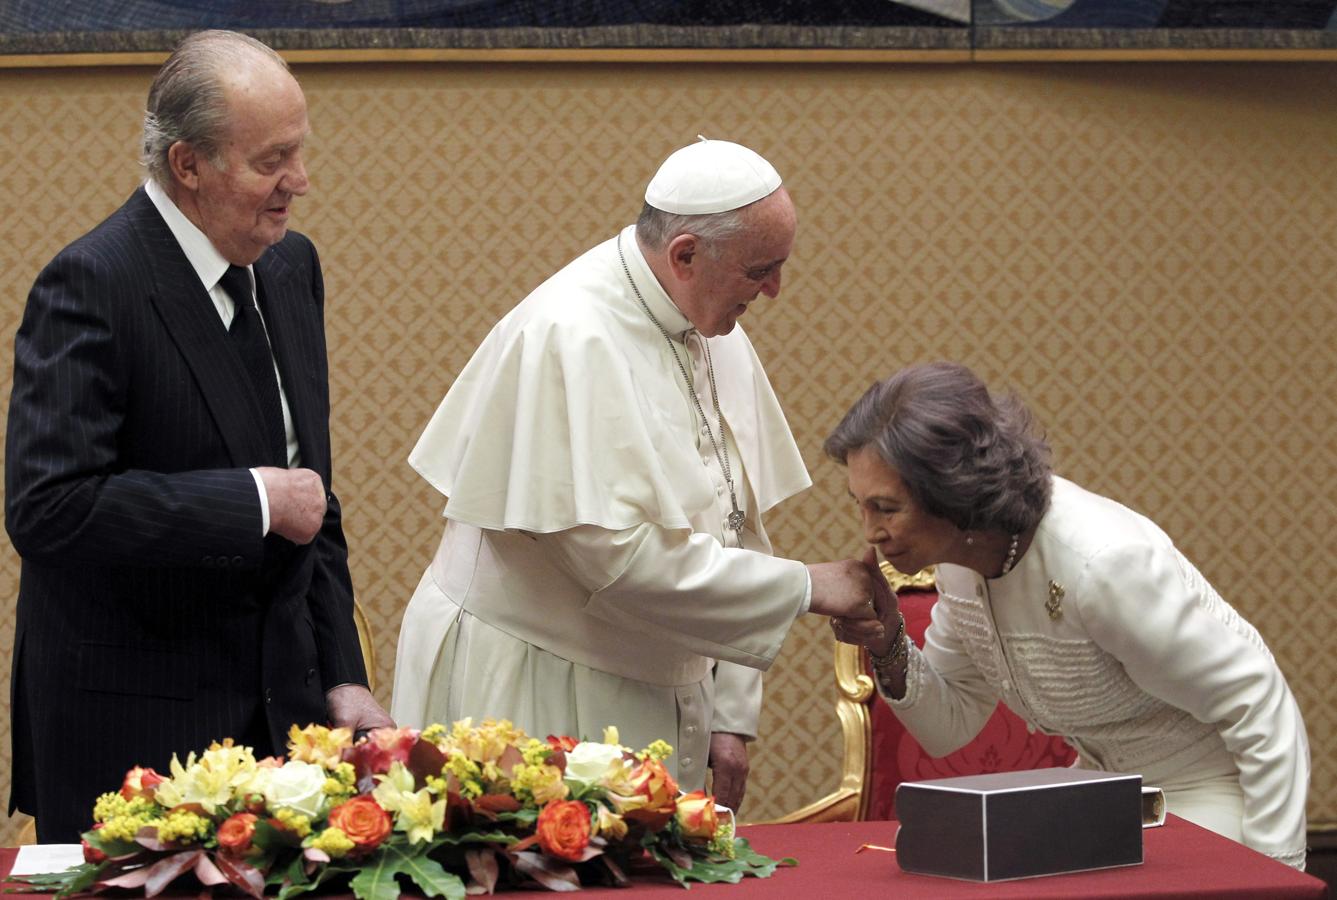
[[878, 753], [364, 638]]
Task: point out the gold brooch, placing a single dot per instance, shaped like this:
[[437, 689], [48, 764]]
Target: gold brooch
[[1054, 605]]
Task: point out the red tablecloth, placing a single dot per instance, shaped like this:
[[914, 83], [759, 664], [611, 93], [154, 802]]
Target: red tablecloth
[[1182, 860]]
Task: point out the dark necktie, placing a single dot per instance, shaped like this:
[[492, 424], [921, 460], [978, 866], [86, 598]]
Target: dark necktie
[[248, 336]]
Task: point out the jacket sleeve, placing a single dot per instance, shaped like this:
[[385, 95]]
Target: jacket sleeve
[[947, 701], [69, 495]]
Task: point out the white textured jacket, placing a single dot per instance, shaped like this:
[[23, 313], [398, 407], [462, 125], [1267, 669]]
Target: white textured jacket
[[1142, 667]]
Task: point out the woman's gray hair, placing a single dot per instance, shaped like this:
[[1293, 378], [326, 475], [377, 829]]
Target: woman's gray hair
[[656, 228], [187, 102], [965, 455]]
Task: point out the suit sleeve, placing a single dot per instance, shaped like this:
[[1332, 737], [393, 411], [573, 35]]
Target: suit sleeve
[[69, 495], [330, 596]]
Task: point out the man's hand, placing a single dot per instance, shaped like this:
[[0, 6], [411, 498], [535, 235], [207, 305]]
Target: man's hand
[[353, 706], [296, 502], [728, 767], [848, 589]]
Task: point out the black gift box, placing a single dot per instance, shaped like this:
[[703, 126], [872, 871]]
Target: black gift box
[[1019, 824]]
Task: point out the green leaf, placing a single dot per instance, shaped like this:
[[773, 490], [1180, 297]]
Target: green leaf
[[432, 879], [715, 868], [376, 880]]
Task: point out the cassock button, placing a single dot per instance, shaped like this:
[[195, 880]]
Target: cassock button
[[236, 560], [687, 762], [310, 674], [269, 695], [690, 729], [208, 562]]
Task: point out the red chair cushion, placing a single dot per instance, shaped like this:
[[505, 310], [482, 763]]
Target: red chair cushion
[[1004, 744]]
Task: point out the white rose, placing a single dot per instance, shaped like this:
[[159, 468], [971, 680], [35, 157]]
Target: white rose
[[298, 786], [587, 761]]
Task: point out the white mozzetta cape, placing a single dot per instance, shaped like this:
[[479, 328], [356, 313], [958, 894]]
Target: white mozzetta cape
[[569, 413]]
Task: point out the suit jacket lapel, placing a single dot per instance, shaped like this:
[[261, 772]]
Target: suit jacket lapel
[[191, 319]]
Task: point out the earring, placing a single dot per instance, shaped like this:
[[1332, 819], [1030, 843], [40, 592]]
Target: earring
[[970, 540]]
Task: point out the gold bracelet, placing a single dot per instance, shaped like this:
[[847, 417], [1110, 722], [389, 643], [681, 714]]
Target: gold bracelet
[[896, 657]]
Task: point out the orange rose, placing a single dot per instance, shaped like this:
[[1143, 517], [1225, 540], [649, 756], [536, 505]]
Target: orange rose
[[140, 782], [234, 835], [563, 829], [363, 820], [696, 815]]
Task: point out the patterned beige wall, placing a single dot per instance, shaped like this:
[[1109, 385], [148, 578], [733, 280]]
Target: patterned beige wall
[[1144, 250]]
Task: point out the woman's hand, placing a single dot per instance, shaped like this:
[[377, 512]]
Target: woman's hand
[[874, 633]]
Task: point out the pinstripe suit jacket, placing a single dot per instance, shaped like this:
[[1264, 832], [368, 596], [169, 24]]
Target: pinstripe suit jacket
[[152, 616]]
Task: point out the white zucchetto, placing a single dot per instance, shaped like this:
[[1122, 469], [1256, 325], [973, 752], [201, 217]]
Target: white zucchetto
[[711, 177]]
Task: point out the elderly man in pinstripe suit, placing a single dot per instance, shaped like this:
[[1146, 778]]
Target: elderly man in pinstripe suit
[[167, 468]]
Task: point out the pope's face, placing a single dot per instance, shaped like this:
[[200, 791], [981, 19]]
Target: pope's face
[[727, 280], [893, 521], [243, 203]]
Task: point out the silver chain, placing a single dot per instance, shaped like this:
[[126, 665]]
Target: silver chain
[[736, 518]]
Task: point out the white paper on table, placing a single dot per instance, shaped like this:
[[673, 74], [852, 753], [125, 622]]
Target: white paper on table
[[40, 859]]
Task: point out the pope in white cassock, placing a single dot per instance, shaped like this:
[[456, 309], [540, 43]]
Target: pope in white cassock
[[607, 456]]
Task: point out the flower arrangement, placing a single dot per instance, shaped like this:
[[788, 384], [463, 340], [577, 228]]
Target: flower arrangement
[[466, 809]]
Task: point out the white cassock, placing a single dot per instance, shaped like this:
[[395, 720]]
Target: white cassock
[[586, 576]]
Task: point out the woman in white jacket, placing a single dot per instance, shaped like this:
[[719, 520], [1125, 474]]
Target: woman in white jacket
[[1075, 611]]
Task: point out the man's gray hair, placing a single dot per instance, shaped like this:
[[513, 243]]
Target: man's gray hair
[[186, 101], [656, 228]]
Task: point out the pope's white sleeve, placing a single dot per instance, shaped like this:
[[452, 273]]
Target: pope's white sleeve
[[737, 700], [685, 588], [947, 701], [1180, 642]]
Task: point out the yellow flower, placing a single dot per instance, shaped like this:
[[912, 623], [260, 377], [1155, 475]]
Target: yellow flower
[[109, 806], [124, 828], [610, 735], [212, 781], [295, 822], [435, 734], [657, 750], [416, 813], [341, 785], [609, 824], [333, 841], [487, 742], [536, 752], [542, 783], [182, 827], [467, 772], [319, 744]]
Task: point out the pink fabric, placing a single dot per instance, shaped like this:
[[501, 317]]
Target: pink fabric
[[1003, 745]]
